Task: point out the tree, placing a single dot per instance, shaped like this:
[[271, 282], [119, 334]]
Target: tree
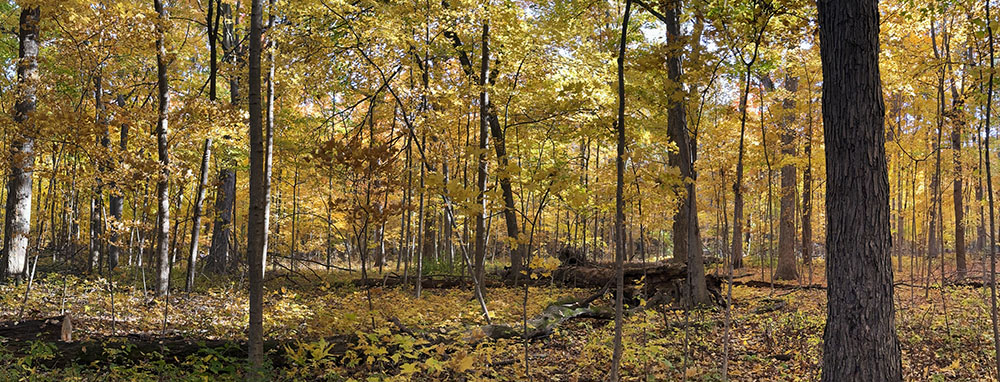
[[786, 226], [256, 224], [220, 254], [163, 181], [17, 222], [620, 199], [196, 216], [860, 342], [687, 235]]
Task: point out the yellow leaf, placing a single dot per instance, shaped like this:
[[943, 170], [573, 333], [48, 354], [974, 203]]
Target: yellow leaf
[[691, 372], [408, 368], [464, 363]]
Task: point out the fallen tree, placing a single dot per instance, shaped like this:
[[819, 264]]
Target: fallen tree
[[659, 282]]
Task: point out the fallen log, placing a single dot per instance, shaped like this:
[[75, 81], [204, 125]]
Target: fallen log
[[551, 317], [18, 337], [765, 284], [660, 282], [59, 328]]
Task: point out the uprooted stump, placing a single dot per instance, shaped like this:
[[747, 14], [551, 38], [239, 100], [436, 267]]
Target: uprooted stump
[[663, 283]]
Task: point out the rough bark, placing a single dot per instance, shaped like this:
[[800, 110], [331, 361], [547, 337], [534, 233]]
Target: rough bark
[[258, 199], [220, 254], [786, 226], [807, 179], [860, 342], [220, 257], [17, 222], [163, 180]]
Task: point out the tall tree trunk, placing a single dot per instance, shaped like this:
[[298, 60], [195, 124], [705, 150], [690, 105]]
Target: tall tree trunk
[[481, 173], [687, 236], [989, 187], [616, 355], [256, 229], [786, 226], [269, 134], [488, 116], [162, 183], [958, 122], [17, 223], [932, 240], [116, 201], [736, 252], [860, 342], [212, 23], [97, 202], [807, 179], [199, 198], [220, 257], [220, 253]]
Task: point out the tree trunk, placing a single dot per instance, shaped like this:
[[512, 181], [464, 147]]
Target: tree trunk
[[786, 226], [199, 198], [220, 254], [220, 257], [256, 224], [162, 183], [616, 355], [17, 223], [807, 179], [269, 137], [860, 342], [481, 173], [116, 201], [957, 187], [488, 116]]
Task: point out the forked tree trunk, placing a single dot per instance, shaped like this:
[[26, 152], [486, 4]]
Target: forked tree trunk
[[860, 342]]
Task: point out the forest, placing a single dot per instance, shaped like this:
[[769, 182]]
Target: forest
[[498, 190]]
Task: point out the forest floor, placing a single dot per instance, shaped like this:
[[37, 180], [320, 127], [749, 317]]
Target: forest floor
[[776, 333]]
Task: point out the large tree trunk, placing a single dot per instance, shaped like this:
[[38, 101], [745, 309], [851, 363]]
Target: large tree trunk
[[220, 257], [162, 183], [220, 254], [17, 223], [687, 236], [199, 198], [860, 342], [786, 226], [256, 223]]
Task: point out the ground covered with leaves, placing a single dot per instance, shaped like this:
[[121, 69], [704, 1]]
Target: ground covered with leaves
[[775, 333]]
